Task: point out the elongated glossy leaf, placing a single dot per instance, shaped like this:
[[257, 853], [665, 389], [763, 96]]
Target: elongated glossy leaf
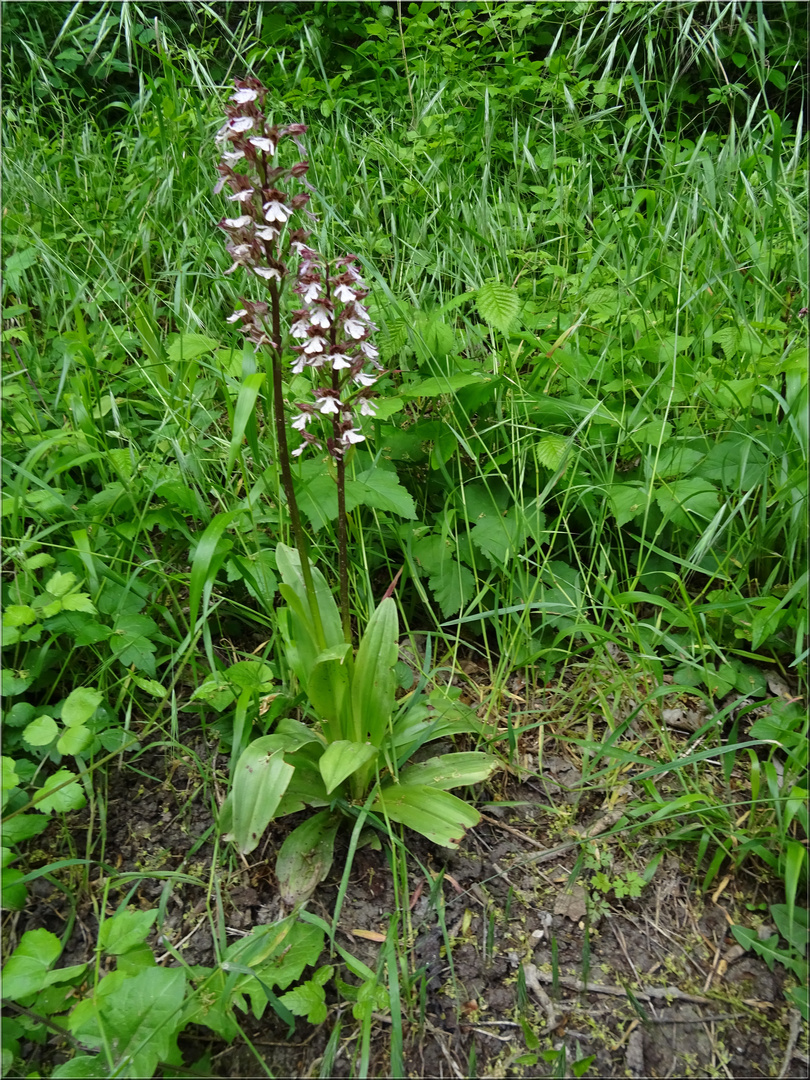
[[438, 815], [300, 640], [328, 689], [374, 682], [422, 724], [450, 770], [260, 779], [245, 404], [305, 857], [341, 759], [207, 562], [306, 788], [289, 565]]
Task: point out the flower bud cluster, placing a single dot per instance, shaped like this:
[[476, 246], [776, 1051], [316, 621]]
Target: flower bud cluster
[[331, 326]]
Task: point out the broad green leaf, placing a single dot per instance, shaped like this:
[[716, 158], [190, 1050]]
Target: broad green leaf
[[688, 502], [305, 857], [260, 779], [450, 770], [82, 1067], [74, 740], [382, 490], [306, 788], [80, 706], [59, 584], [28, 965], [374, 682], [138, 1019], [653, 433], [498, 305], [770, 614], [626, 501], [441, 385], [150, 686], [125, 930], [500, 537], [41, 732], [254, 675], [190, 346], [24, 827], [342, 758], [11, 777], [436, 814], [258, 574], [70, 797], [13, 889], [19, 615], [420, 726]]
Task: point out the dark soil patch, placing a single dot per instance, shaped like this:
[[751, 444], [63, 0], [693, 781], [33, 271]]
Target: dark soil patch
[[517, 964]]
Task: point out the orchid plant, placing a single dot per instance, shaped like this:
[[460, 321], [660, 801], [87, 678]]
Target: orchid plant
[[351, 761]]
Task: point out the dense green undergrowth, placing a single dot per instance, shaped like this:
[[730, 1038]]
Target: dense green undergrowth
[[586, 244]]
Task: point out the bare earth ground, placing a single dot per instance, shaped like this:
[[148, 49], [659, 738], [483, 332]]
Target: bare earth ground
[[649, 986]]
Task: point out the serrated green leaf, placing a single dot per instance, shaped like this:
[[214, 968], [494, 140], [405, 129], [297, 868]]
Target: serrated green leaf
[[138, 1018], [308, 1000], [500, 536], [498, 305], [551, 450], [453, 588], [79, 602], [38, 561]]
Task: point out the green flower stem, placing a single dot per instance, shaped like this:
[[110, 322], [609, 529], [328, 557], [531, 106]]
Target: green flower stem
[[284, 464]]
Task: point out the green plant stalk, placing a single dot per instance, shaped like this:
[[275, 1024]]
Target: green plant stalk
[[284, 462]]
